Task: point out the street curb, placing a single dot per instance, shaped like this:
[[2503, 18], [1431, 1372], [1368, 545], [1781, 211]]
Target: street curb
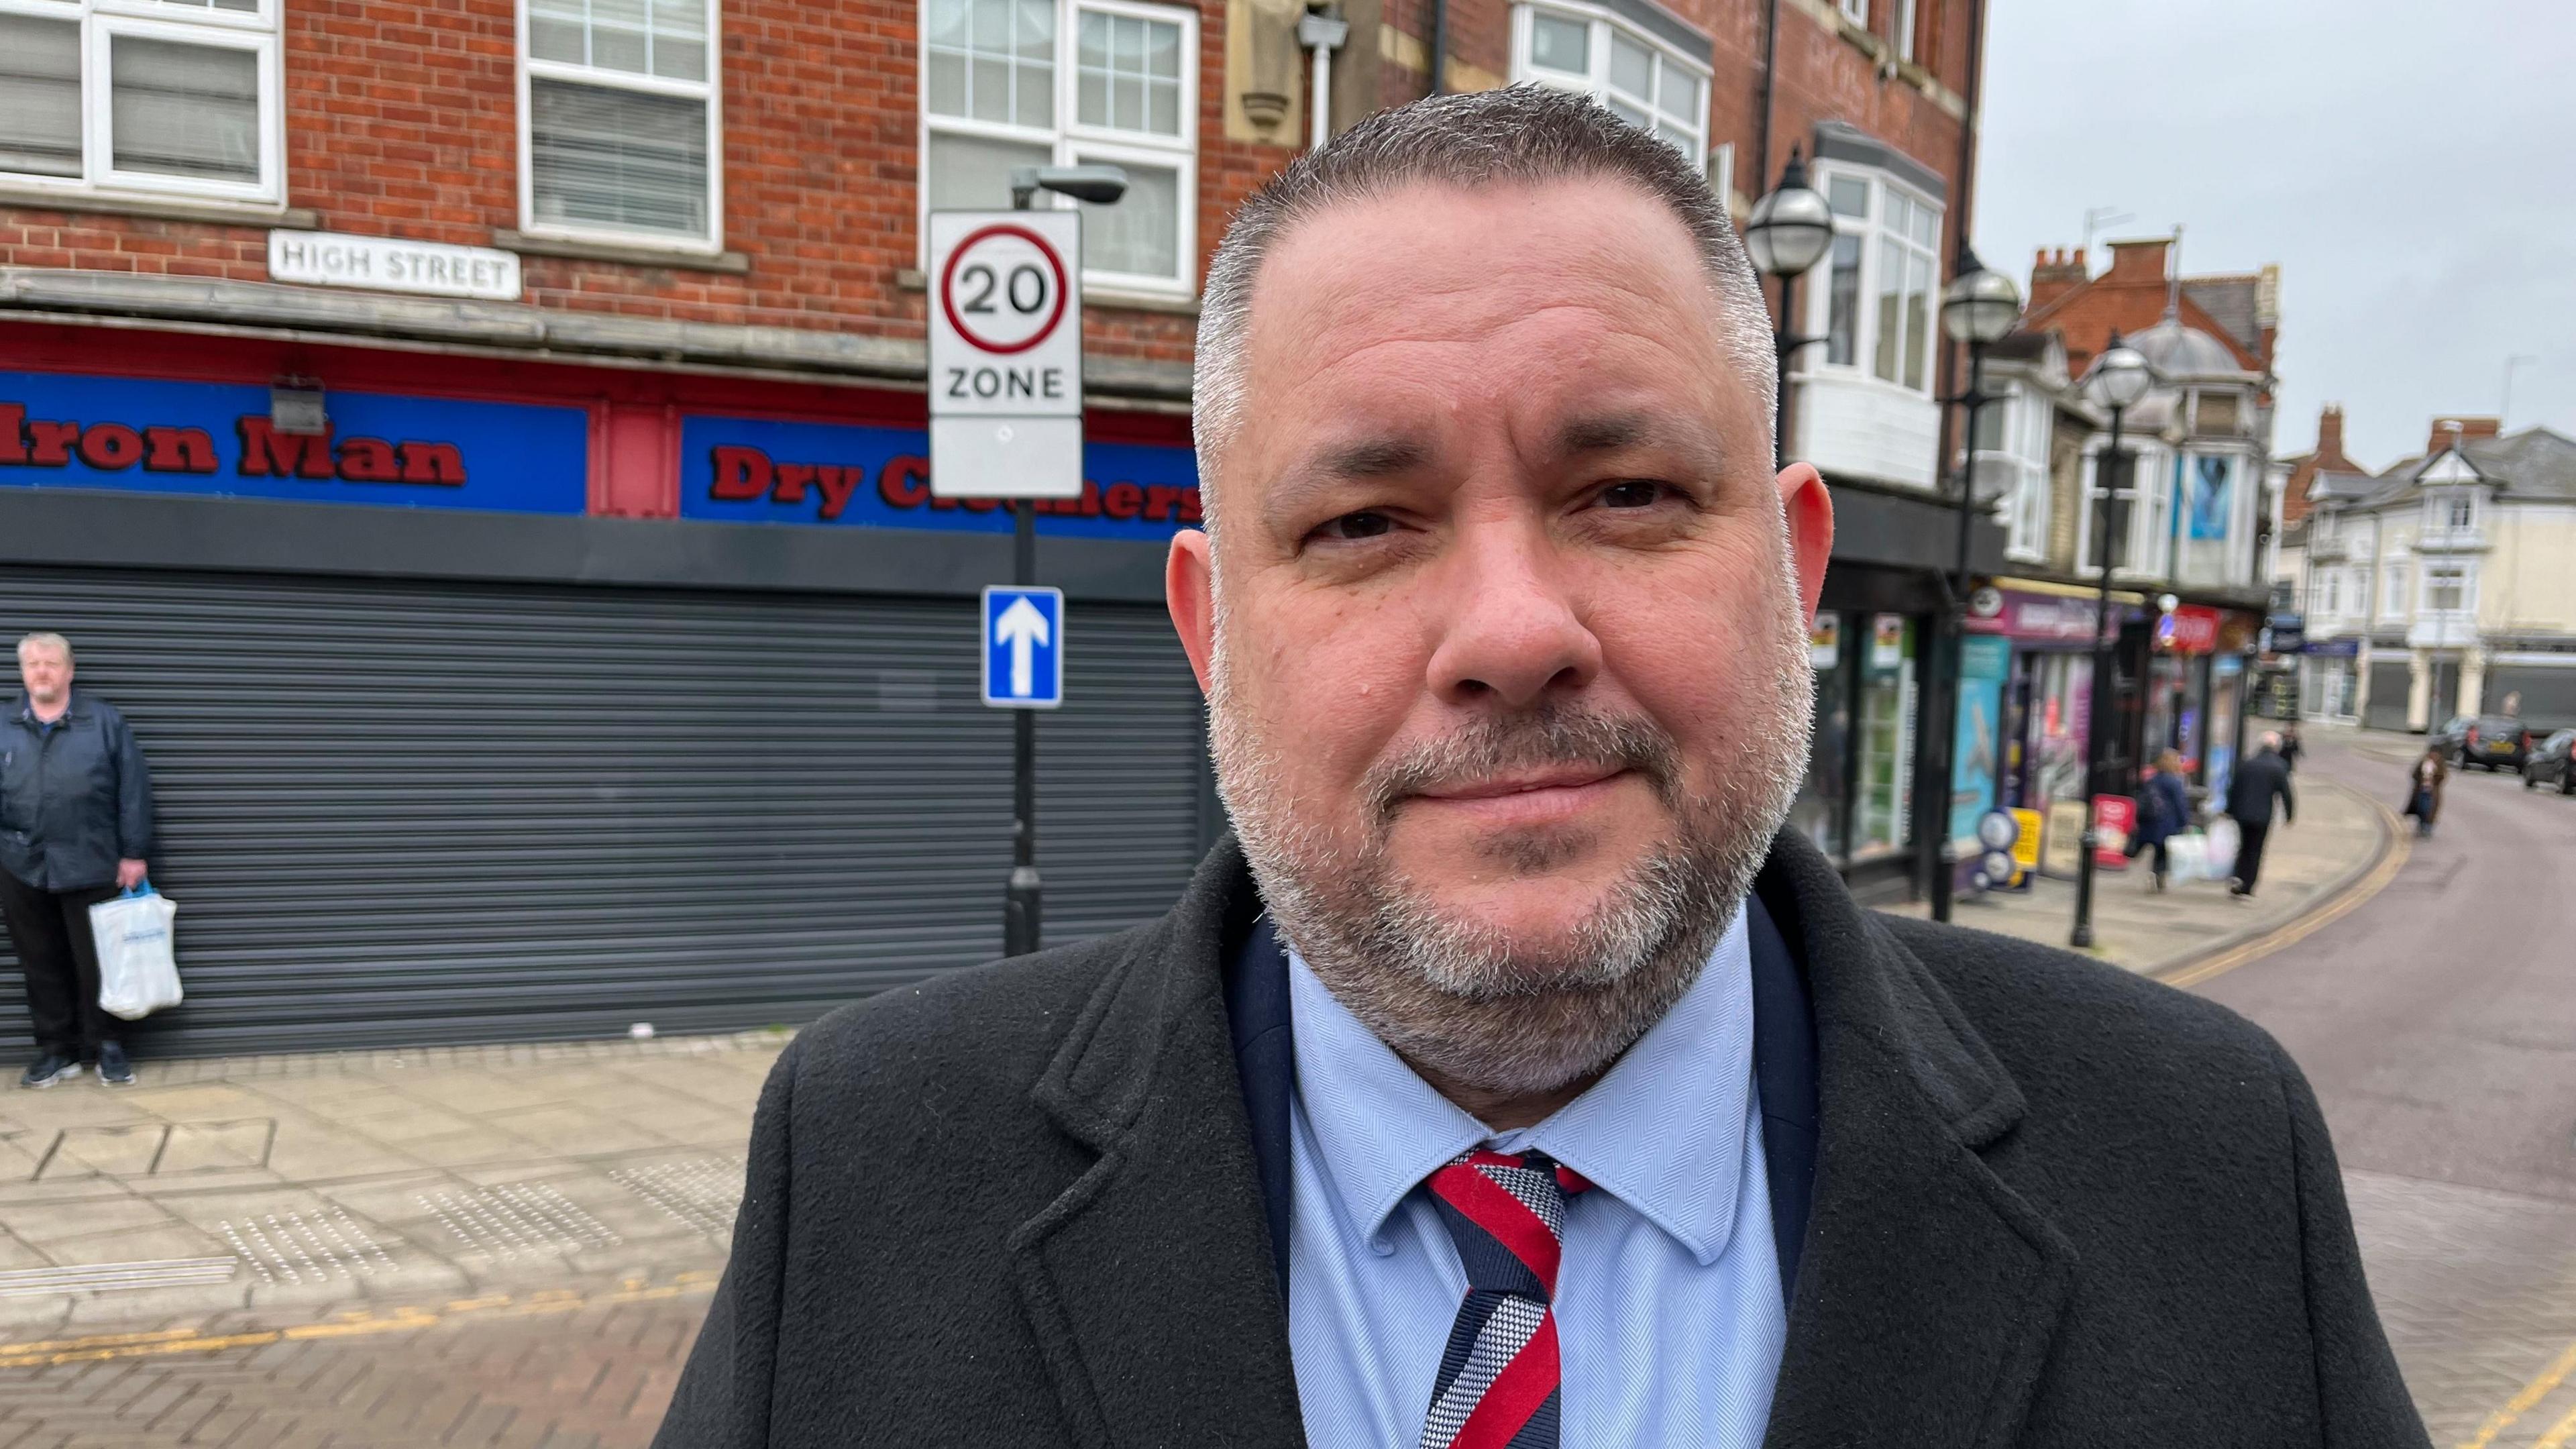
[[2342, 894]]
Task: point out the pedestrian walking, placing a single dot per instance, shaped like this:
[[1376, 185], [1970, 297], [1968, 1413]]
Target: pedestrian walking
[[75, 829], [2164, 811], [2291, 747], [2424, 789], [2259, 781]]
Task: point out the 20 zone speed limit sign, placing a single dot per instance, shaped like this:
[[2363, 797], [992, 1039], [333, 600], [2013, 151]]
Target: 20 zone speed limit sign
[[1006, 354]]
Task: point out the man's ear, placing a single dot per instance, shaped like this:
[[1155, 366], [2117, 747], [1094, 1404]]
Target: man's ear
[[1810, 511], [1189, 581]]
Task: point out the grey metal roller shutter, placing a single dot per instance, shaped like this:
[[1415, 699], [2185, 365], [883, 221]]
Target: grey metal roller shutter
[[400, 812], [2389, 684], [2548, 693]]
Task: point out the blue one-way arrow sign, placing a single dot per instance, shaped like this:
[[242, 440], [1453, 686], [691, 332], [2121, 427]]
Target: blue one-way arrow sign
[[1023, 648]]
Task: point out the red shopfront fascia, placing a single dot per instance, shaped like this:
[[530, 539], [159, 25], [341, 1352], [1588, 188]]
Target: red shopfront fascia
[[636, 414], [2189, 629]]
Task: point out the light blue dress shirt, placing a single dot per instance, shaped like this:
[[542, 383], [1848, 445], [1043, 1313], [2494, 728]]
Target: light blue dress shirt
[[1669, 1320]]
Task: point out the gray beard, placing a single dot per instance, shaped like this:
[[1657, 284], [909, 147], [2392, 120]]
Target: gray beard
[[1462, 1002]]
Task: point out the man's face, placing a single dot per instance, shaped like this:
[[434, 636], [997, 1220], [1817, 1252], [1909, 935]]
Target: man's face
[[1507, 609], [46, 672]]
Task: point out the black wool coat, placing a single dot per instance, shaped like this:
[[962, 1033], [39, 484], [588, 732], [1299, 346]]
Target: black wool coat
[[2054, 1205]]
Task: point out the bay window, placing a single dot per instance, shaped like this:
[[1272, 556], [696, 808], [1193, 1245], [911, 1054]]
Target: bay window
[[618, 136], [1011, 83], [145, 97], [2010, 465], [1883, 279], [1640, 63]]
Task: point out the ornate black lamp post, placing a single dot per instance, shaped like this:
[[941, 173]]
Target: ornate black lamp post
[[2119, 378], [1979, 308], [1786, 236]]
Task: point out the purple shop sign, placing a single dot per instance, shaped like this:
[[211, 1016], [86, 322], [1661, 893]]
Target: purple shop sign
[[2035, 617]]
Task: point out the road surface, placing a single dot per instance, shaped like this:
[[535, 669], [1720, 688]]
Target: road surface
[[2438, 1025]]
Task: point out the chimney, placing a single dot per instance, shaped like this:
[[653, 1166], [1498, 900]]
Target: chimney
[[2448, 431], [2140, 263], [2330, 438], [2054, 274]]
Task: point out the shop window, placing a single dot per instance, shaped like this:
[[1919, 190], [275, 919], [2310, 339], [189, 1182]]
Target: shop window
[[1883, 794], [145, 97], [1647, 83], [620, 132], [1881, 294], [1818, 813], [1011, 83]]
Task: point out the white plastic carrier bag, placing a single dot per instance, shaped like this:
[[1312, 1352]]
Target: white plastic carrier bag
[[138, 963]]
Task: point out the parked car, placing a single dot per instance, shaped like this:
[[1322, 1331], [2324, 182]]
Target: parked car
[[2492, 742], [2552, 762]]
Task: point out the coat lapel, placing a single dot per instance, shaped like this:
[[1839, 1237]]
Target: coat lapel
[[1929, 1290], [1148, 1282]]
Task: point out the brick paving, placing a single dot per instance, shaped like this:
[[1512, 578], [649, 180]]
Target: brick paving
[[593, 1377]]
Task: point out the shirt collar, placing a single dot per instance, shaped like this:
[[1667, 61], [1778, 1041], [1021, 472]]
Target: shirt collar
[[1663, 1130]]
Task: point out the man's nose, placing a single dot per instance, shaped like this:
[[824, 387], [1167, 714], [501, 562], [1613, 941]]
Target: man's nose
[[1513, 635]]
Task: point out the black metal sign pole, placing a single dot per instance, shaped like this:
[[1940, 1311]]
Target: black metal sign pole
[[1020, 908]]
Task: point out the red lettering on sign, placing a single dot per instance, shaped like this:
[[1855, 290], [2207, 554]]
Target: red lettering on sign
[[268, 453], [1161, 499], [740, 473], [980, 505], [178, 450], [51, 443], [1090, 499], [110, 446], [440, 463], [837, 485], [1189, 505], [368, 460], [904, 482], [13, 443], [1123, 500], [793, 479]]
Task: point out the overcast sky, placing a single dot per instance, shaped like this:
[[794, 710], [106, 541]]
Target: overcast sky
[[2410, 165]]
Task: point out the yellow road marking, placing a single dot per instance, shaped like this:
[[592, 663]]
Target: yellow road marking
[[346, 1324], [2520, 1404], [2559, 1433], [2317, 920]]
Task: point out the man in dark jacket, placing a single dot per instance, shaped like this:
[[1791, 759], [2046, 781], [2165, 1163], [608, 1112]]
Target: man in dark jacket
[[75, 829], [1519, 1080], [2258, 782]]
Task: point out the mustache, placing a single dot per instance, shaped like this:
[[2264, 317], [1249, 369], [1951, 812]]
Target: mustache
[[1551, 735]]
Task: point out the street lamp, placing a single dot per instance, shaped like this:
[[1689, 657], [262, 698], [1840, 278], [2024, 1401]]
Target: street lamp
[[2118, 380], [1786, 236], [1980, 308], [1021, 897]]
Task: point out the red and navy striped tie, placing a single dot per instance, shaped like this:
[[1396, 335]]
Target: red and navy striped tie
[[1498, 1377]]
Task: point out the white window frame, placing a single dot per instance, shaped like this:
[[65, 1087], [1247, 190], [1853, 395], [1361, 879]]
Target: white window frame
[[2023, 459], [1873, 232], [2392, 589], [710, 90], [1904, 37], [1721, 174], [1075, 144], [100, 22], [1596, 84], [1855, 11], [2149, 549], [2468, 577]]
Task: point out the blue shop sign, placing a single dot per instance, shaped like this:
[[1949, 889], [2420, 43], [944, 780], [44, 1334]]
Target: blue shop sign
[[2333, 648], [138, 435], [752, 470]]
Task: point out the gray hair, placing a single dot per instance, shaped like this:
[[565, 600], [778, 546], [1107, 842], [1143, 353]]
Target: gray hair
[[48, 639], [2271, 739], [1522, 134]]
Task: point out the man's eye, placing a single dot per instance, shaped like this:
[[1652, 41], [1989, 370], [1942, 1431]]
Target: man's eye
[[1633, 493], [1357, 525]]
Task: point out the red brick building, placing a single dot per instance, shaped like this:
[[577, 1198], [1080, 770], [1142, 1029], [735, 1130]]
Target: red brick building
[[383, 355]]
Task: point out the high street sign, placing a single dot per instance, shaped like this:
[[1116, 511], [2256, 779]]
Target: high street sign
[[1006, 354]]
